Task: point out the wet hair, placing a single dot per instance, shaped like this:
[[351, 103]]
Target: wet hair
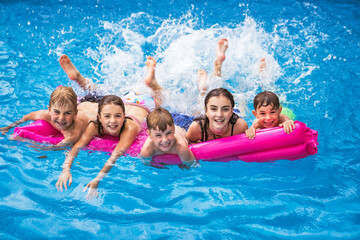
[[266, 98], [217, 92], [106, 100], [63, 96], [160, 119]]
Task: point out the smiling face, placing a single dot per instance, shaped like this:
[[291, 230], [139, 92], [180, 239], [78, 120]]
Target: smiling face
[[268, 116], [219, 111], [163, 140], [112, 118], [62, 116]]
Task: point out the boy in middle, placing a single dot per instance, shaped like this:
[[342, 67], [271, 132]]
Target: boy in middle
[[165, 137]]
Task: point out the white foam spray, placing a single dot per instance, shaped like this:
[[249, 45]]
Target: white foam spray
[[181, 49]]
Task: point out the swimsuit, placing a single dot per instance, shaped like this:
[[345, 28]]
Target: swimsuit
[[204, 132], [130, 98], [142, 100], [182, 120], [91, 97]]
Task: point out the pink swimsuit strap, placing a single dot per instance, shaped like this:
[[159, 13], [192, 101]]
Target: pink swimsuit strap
[[135, 119], [138, 105]]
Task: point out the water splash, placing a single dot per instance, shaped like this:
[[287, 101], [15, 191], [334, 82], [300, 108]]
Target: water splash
[[181, 47]]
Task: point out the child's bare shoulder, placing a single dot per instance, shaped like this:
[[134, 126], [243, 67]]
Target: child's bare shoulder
[[240, 126], [181, 144], [194, 132], [147, 149]]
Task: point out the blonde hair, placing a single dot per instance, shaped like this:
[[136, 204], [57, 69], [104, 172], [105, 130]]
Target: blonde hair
[[63, 96], [160, 118]]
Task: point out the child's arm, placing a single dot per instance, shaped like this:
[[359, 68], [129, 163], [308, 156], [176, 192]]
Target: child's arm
[[37, 115], [240, 126], [90, 132], [250, 132], [182, 146], [71, 139], [194, 132], [73, 135], [147, 150], [65, 142], [126, 139], [288, 126], [286, 123], [184, 152]]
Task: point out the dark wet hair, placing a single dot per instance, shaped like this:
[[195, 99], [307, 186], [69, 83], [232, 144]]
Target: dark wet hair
[[266, 98], [220, 92], [160, 118], [106, 100]]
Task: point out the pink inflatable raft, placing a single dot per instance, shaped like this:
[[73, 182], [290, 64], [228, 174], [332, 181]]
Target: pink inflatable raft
[[269, 144], [42, 131]]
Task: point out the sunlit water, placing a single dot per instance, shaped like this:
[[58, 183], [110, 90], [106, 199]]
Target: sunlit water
[[312, 55]]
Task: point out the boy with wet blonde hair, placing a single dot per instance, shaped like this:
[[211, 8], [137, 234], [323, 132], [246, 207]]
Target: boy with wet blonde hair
[[63, 96], [267, 111], [165, 136], [64, 114]]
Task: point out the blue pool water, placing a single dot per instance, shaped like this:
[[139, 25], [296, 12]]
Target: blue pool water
[[312, 54]]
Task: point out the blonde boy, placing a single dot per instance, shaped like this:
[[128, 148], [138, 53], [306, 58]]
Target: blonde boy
[[267, 111], [63, 114], [165, 137]]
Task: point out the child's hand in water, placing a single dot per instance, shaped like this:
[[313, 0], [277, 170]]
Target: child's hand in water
[[288, 126], [64, 177], [92, 191], [250, 133], [4, 130]]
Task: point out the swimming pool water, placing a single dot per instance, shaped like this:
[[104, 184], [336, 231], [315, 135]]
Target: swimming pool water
[[312, 54]]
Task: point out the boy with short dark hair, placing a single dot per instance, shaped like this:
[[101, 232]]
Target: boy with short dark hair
[[267, 111], [165, 137]]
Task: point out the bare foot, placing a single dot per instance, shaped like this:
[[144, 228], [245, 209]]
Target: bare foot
[[151, 82], [150, 62], [220, 56], [202, 77], [221, 49], [74, 74], [262, 65], [68, 67]]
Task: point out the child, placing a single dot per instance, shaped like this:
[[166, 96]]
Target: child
[[118, 118], [219, 120], [267, 112], [64, 114], [165, 137], [111, 120]]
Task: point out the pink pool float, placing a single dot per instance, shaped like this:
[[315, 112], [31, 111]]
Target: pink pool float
[[269, 144]]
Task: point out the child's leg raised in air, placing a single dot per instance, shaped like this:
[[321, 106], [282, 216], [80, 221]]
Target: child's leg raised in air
[[74, 74], [151, 82], [222, 46], [262, 65], [263, 73], [202, 77]]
